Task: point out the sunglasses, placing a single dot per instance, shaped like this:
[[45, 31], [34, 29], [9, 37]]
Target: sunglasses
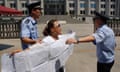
[[58, 25]]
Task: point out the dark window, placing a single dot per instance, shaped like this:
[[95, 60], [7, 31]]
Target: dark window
[[71, 5], [92, 0], [82, 12], [103, 12], [113, 6], [102, 0], [102, 5], [52, 6], [92, 12], [12, 5], [112, 0], [25, 12], [23, 5], [72, 12], [55, 7], [112, 12]]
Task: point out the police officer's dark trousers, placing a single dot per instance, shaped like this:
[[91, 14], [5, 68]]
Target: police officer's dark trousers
[[104, 67], [58, 66]]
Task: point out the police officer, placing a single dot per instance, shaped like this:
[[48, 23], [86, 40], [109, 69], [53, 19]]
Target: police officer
[[29, 33], [104, 39]]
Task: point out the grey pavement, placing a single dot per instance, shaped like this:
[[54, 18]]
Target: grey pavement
[[83, 58]]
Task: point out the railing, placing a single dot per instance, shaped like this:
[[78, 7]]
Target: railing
[[115, 25], [9, 29]]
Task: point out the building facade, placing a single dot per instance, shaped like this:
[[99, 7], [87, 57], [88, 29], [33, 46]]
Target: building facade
[[70, 7], [54, 7]]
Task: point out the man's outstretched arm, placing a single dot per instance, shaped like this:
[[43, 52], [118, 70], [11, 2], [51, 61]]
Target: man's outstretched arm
[[86, 39]]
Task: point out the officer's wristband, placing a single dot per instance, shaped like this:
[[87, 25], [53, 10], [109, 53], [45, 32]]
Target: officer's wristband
[[78, 41]]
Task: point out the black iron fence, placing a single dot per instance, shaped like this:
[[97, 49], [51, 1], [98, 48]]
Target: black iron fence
[[115, 25], [9, 29]]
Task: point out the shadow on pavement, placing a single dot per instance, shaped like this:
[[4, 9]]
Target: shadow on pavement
[[5, 46]]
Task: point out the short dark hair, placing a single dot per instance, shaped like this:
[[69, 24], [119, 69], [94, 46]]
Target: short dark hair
[[30, 10]]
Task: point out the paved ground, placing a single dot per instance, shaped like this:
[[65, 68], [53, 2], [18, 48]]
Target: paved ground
[[83, 58]]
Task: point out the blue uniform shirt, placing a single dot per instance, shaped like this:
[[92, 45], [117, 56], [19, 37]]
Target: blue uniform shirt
[[28, 29], [105, 42]]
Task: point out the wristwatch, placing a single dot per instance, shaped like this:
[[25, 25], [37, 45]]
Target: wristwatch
[[78, 41]]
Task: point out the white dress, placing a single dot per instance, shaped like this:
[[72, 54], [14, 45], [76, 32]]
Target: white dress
[[49, 40]]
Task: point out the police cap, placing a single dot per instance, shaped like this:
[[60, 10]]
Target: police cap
[[35, 5], [100, 16]]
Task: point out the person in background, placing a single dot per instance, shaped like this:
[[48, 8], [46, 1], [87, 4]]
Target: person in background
[[104, 39], [51, 33], [29, 33]]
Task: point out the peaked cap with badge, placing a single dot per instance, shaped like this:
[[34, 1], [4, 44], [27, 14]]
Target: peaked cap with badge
[[35, 5], [100, 16]]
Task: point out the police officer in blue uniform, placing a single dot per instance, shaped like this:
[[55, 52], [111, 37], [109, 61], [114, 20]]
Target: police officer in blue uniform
[[104, 39], [29, 33]]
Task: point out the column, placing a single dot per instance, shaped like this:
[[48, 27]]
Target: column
[[17, 2], [78, 7], [42, 6], [5, 3], [107, 8], [87, 7], [67, 7], [98, 6]]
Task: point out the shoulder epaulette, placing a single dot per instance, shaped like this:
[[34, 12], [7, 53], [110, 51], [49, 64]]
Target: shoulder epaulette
[[27, 21]]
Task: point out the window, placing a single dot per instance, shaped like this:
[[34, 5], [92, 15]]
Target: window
[[112, 12], [52, 6], [72, 12], [25, 12], [71, 5], [82, 5], [92, 12], [102, 5], [92, 0], [113, 6], [103, 12], [12, 5], [23, 5], [112, 0], [102, 0], [93, 5], [82, 12], [81, 0]]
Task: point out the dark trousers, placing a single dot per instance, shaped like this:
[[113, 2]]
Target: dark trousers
[[104, 67], [61, 69], [58, 66]]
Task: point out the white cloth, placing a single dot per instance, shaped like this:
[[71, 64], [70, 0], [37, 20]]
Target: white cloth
[[7, 63], [58, 46], [42, 57], [30, 59], [48, 40]]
